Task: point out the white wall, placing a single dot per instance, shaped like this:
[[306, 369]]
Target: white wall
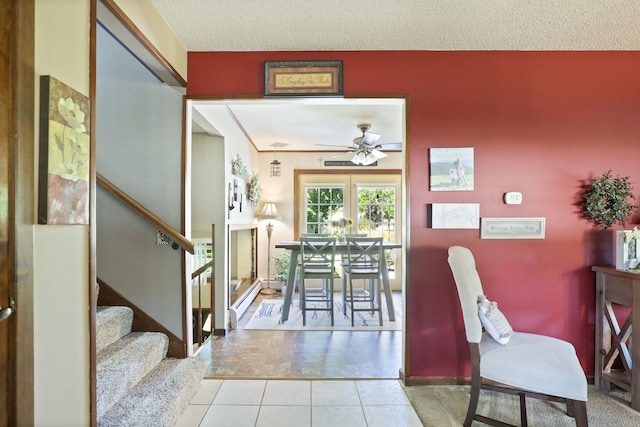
[[61, 253], [139, 149], [212, 156], [208, 195], [61, 335]]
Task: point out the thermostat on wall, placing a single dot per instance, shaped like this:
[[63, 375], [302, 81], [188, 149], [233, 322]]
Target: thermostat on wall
[[513, 198]]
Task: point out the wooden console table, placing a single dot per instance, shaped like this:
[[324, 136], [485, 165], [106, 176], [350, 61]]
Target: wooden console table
[[612, 340]]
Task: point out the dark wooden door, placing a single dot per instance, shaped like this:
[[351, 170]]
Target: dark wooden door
[[16, 210], [6, 326]]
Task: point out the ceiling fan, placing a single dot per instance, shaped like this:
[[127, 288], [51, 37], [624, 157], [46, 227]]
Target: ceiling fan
[[364, 147]]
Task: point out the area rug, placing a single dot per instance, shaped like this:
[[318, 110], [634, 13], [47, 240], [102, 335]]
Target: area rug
[[268, 314], [446, 406]]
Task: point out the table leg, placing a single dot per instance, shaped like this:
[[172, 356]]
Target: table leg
[[291, 283], [387, 292], [600, 345]]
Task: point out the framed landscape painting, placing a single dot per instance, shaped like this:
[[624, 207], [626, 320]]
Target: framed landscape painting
[[63, 180], [451, 169]]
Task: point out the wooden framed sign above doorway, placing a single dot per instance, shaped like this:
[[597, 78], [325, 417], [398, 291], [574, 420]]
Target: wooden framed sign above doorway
[[303, 78]]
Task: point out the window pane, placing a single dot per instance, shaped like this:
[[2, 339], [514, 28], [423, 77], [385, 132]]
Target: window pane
[[376, 211], [312, 195], [312, 214], [322, 203]]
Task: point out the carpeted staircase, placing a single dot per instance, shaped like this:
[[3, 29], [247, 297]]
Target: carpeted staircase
[[137, 385]]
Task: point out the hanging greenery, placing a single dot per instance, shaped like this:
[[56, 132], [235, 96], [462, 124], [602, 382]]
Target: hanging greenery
[[607, 200], [238, 167], [253, 190]]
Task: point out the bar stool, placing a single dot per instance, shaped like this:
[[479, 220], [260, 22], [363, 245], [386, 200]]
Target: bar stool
[[364, 258], [317, 257], [296, 280], [344, 263]]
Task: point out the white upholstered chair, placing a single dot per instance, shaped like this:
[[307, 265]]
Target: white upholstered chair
[[529, 365]]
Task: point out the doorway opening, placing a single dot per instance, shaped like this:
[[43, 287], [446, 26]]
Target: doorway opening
[[219, 126]]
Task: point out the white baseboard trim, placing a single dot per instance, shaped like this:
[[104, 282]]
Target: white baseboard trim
[[242, 304]]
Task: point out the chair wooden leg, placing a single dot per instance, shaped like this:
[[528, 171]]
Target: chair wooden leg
[[578, 410], [475, 384], [473, 401]]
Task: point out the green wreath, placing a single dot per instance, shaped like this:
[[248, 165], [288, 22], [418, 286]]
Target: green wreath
[[253, 190]]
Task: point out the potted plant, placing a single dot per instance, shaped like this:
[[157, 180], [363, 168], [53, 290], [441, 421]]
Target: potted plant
[[607, 200], [282, 268]]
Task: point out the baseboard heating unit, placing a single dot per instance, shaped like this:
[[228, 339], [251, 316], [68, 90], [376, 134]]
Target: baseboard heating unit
[[241, 305]]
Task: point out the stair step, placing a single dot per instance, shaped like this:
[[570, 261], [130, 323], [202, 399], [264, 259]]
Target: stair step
[[161, 396], [112, 323], [121, 365]]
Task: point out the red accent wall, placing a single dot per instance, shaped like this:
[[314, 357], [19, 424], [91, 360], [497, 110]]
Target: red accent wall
[[540, 123]]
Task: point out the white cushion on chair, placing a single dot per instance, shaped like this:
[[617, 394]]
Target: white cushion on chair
[[535, 362], [493, 320]]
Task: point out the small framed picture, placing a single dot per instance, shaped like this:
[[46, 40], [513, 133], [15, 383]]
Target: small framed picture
[[455, 215], [451, 169], [513, 228]]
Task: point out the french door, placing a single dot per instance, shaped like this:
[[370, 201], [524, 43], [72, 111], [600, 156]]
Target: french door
[[368, 203]]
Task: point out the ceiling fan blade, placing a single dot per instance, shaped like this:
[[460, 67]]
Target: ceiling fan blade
[[370, 138], [378, 154], [390, 146], [333, 156]]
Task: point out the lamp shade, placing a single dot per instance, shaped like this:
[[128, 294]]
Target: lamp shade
[[269, 211]]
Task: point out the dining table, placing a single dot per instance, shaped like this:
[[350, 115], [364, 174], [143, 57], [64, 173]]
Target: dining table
[[341, 248]]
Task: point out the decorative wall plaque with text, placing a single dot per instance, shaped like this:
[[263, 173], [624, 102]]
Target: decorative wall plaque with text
[[303, 78]]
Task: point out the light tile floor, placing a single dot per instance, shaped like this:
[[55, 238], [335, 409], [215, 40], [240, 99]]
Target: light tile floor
[[299, 403]]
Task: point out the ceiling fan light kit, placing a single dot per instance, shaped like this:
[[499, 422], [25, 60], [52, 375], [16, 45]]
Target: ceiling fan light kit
[[365, 149]]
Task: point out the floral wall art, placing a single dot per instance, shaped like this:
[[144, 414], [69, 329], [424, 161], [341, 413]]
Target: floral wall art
[[64, 154]]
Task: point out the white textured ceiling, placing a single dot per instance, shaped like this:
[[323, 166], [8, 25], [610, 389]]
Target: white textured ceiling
[[271, 25], [262, 25]]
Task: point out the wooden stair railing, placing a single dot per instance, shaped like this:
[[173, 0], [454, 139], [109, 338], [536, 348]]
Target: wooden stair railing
[[145, 213], [200, 274]]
